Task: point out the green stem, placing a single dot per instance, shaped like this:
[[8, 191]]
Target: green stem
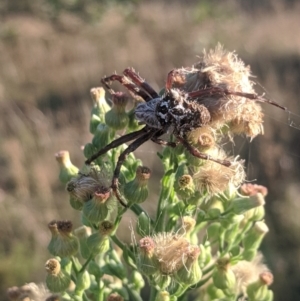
[[116, 240], [153, 293], [86, 263]]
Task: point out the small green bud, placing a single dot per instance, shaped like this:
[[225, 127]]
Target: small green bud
[[75, 203], [116, 117], [136, 191], [255, 236], [63, 243], [162, 296], [94, 122], [143, 226], [100, 104], [83, 282], [89, 150], [137, 280], [94, 269], [184, 187], [147, 261], [98, 242], [258, 290], [223, 276], [83, 233], [57, 280], [213, 231], [190, 273], [214, 212], [99, 207], [67, 169], [214, 293], [163, 281], [241, 205], [102, 136]]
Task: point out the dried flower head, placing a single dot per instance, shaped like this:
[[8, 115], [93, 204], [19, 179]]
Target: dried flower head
[[252, 189]]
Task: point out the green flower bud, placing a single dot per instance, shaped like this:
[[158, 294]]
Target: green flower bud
[[184, 187], [258, 290], [94, 122], [255, 236], [63, 243], [223, 276], [213, 231], [67, 169], [255, 214], [249, 254], [75, 203], [214, 293], [94, 269], [116, 117], [83, 282], [115, 268], [102, 136], [98, 242], [137, 280], [147, 262], [57, 280], [162, 281], [82, 234], [143, 226], [190, 273], [163, 296], [89, 150], [99, 207], [100, 104], [136, 191], [242, 205]]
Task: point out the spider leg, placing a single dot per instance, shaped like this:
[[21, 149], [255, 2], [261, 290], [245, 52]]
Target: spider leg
[[132, 147], [200, 155], [117, 142], [220, 91], [159, 141], [129, 72], [136, 91]]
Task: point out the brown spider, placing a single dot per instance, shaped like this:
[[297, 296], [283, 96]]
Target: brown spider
[[176, 111]]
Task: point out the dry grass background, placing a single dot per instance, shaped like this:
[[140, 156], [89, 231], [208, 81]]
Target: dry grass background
[[48, 67]]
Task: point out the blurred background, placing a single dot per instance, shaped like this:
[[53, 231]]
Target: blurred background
[[53, 51]]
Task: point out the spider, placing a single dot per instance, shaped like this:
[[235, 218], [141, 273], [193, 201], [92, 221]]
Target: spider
[[176, 112]]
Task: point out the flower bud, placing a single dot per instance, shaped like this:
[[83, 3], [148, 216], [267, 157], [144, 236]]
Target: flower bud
[[102, 136], [83, 282], [67, 169], [190, 273], [13, 293], [133, 124], [252, 189], [57, 280], [63, 243], [163, 296], [147, 261], [116, 117], [213, 231], [162, 281], [188, 224], [136, 191], [114, 297], [99, 207], [98, 242], [214, 293], [184, 187], [255, 235], [242, 205], [143, 226], [94, 122], [223, 276], [75, 203], [82, 234], [100, 104], [88, 150], [137, 280], [258, 290]]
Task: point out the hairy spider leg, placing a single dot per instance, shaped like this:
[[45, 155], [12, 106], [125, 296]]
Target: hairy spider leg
[[132, 147], [216, 90], [136, 91], [159, 141], [200, 155], [119, 141], [140, 82]]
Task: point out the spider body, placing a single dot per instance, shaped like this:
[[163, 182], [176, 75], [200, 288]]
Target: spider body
[[177, 111], [174, 110]]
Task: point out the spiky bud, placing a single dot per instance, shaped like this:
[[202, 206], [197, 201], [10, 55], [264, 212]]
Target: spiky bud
[[223, 276], [147, 261], [99, 207], [191, 272], [82, 234], [241, 205], [136, 191], [258, 290], [67, 170], [116, 117], [57, 280], [63, 243], [98, 242], [100, 104]]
